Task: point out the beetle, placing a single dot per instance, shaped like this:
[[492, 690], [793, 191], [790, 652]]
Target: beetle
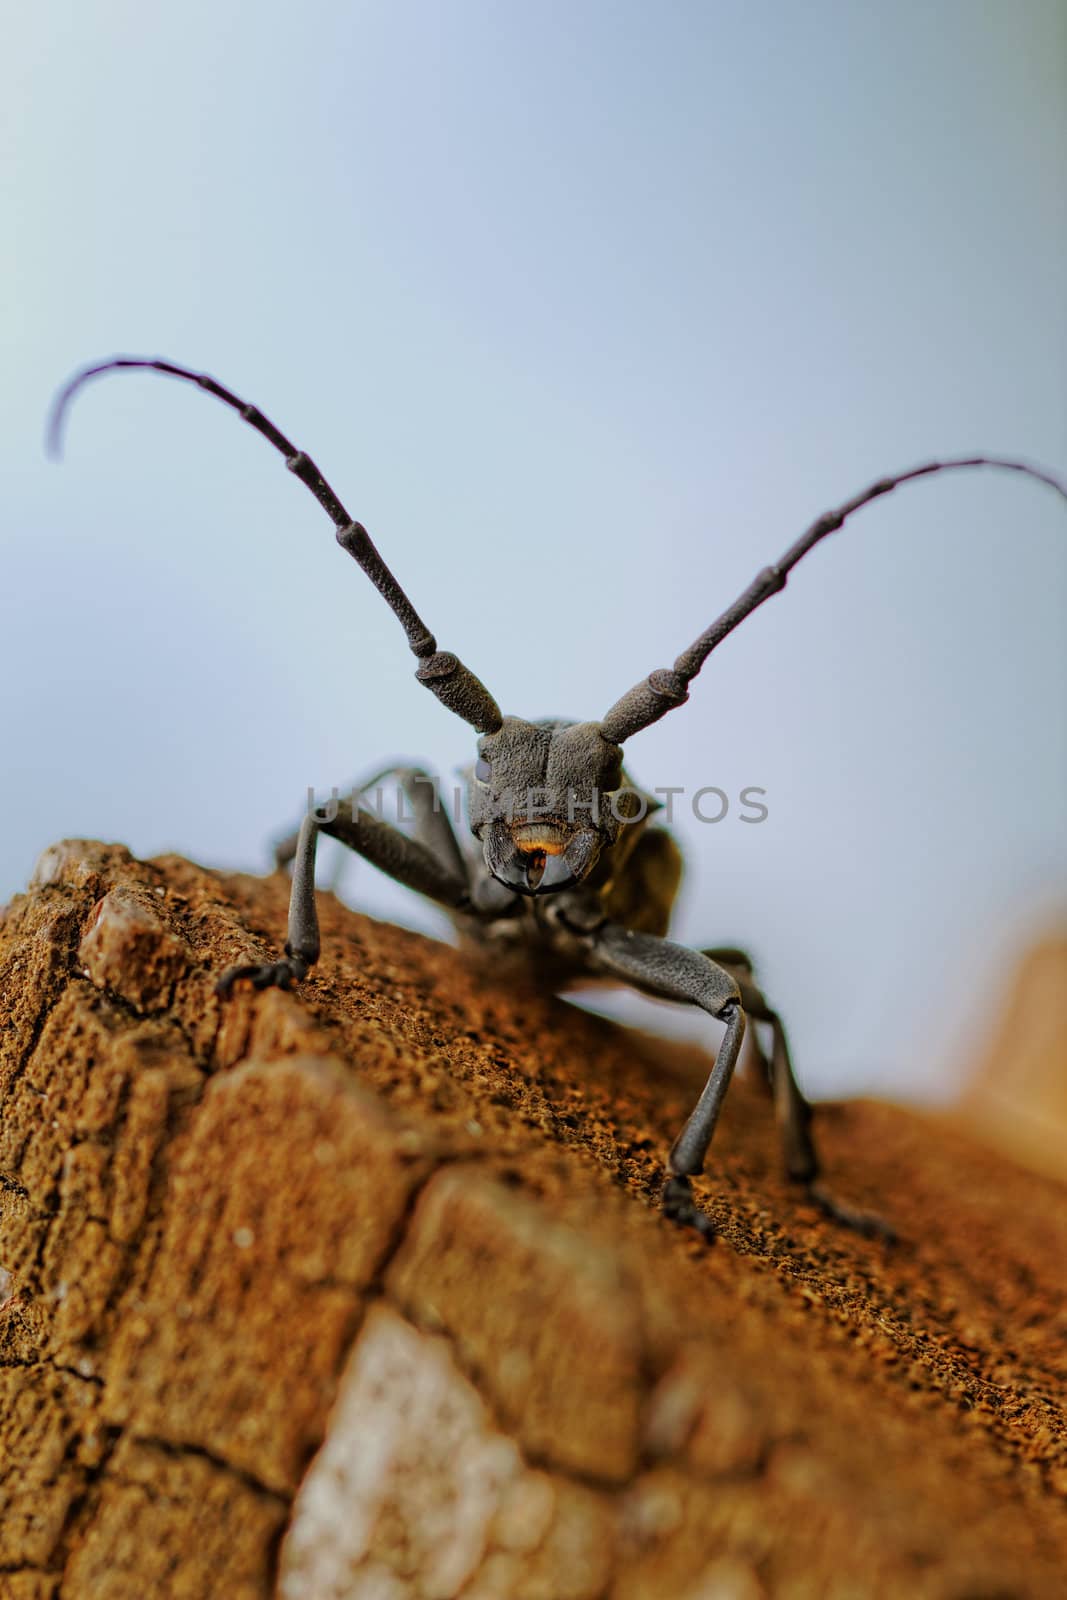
[[570, 879]]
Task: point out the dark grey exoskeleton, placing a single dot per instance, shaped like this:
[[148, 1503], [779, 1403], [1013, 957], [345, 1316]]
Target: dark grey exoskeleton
[[570, 877]]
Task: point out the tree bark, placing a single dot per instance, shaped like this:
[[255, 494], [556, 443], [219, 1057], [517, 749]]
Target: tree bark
[[362, 1291]]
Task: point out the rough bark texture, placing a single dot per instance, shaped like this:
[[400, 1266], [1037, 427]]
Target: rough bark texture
[[362, 1291]]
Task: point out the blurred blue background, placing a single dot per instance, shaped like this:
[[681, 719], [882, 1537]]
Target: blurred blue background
[[586, 311]]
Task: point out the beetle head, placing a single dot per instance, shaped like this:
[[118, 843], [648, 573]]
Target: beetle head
[[542, 799]]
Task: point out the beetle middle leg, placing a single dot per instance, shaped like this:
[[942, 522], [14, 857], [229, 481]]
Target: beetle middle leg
[[739, 965], [793, 1111]]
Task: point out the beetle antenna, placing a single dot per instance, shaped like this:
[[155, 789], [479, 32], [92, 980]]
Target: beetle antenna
[[453, 683], [668, 687]]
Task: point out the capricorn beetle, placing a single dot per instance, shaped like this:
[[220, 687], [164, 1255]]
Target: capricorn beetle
[[574, 882]]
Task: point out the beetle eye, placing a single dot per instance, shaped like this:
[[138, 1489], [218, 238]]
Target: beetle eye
[[482, 770]]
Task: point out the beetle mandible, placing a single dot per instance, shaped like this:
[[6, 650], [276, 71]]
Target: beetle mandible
[[574, 883]]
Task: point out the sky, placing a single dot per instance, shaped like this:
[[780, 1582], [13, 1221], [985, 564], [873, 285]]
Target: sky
[[586, 311]]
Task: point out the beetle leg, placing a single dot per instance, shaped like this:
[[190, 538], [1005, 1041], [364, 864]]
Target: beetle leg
[[739, 965], [302, 941], [407, 860], [673, 972], [429, 813], [793, 1111]]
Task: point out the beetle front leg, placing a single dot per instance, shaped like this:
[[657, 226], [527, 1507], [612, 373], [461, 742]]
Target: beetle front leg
[[673, 972], [302, 941], [404, 859], [429, 815], [686, 1160]]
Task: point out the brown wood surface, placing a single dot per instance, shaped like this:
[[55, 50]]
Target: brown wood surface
[[362, 1292]]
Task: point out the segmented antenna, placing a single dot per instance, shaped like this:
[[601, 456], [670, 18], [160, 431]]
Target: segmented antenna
[[453, 683], [668, 687]]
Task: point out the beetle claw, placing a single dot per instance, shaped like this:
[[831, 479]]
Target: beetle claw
[[865, 1222], [680, 1207], [266, 975]]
